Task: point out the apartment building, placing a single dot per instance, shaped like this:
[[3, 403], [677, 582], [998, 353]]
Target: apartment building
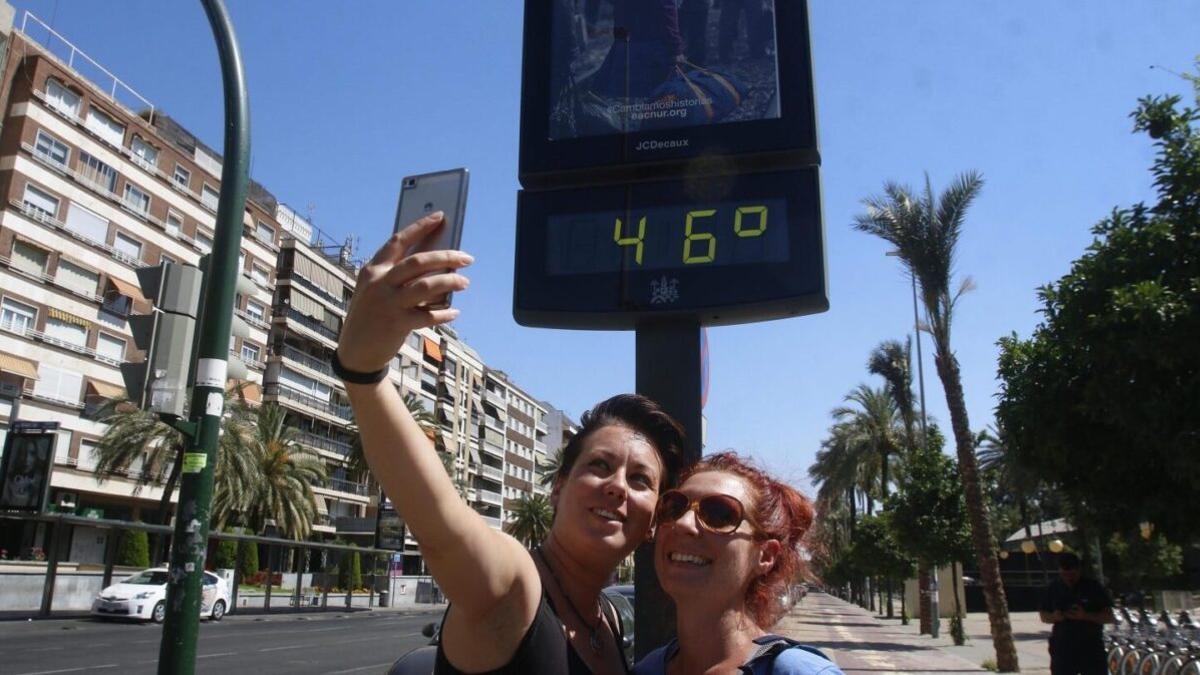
[[98, 182]]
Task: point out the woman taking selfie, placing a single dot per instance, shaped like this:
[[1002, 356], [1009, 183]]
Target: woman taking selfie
[[726, 551], [511, 611]]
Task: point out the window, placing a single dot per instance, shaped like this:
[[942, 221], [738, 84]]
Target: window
[[58, 384], [62, 99], [29, 258], [66, 331], [305, 385], [103, 125], [174, 224], [16, 316], [87, 224], [209, 197], [250, 353], [256, 310], [260, 274], [109, 347], [98, 173], [182, 176], [264, 232], [51, 149], [144, 153], [43, 203], [129, 246], [204, 241], [76, 278], [137, 200]]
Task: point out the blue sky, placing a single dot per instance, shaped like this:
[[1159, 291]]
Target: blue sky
[[348, 97]]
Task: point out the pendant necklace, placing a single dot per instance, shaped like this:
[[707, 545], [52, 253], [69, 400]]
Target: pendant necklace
[[593, 639]]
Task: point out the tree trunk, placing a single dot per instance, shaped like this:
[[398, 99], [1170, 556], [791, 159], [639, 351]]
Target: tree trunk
[[977, 512], [925, 618], [890, 613], [883, 483]]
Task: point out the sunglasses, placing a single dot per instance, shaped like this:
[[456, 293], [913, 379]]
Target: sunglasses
[[716, 513]]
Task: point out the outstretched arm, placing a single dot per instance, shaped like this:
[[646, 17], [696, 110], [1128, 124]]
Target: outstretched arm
[[478, 568]]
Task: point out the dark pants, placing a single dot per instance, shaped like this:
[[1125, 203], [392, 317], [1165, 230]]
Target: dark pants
[[1069, 659]]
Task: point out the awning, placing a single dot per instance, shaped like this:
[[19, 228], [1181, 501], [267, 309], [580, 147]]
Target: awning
[[125, 288], [106, 390], [306, 305], [68, 318], [18, 366], [252, 391], [323, 278], [432, 350]]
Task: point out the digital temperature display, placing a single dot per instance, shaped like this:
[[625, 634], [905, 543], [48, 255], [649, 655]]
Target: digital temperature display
[[725, 249], [722, 233]]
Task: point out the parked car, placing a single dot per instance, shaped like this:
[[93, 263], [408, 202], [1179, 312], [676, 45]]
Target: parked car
[[420, 661], [143, 596]]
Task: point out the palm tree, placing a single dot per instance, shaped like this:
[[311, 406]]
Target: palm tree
[[925, 230], [284, 474], [134, 434], [873, 418], [892, 361], [529, 522]]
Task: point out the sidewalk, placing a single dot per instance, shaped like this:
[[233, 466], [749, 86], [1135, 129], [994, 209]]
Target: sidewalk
[[860, 642]]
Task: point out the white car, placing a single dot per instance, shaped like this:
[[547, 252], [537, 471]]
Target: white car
[[144, 596]]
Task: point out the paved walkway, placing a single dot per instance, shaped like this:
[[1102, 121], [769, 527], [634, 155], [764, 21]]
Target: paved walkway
[[860, 642]]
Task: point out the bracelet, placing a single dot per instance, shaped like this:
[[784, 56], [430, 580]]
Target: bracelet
[[355, 376]]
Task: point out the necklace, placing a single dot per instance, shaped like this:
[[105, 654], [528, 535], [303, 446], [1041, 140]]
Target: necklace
[[594, 638]]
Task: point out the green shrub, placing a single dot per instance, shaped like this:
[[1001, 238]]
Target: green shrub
[[350, 571], [133, 550], [225, 557], [249, 558]]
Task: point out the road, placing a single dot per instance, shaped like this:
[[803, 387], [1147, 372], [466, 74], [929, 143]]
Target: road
[[357, 642]]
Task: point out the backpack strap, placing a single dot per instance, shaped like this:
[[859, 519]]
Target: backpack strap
[[769, 647]]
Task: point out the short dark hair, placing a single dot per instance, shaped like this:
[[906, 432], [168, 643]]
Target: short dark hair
[[1069, 561], [639, 414]]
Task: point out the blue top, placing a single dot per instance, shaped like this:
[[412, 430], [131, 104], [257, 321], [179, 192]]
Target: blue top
[[793, 659]]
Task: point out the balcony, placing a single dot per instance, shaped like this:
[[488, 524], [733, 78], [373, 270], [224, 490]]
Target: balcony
[[39, 336], [491, 472], [342, 412], [317, 327], [494, 523], [348, 486], [493, 450], [307, 360], [539, 446], [326, 443], [493, 423], [541, 428], [351, 525], [321, 292], [489, 497], [494, 398]]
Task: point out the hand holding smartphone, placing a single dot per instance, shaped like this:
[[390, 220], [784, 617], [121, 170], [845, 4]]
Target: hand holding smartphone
[[421, 195]]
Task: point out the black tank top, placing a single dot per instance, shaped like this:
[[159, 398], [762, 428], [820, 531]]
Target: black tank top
[[544, 650]]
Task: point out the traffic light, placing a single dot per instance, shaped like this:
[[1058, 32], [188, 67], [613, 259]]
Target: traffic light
[[159, 383], [236, 369]]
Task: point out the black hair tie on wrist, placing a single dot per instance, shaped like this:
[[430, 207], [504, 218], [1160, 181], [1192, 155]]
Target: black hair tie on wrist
[[354, 376]]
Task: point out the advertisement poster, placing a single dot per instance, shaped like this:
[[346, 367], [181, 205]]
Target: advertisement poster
[[623, 66], [25, 471]]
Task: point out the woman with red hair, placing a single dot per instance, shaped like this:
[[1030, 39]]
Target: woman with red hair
[[727, 552]]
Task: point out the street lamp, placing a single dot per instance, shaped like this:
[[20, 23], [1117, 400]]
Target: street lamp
[[1056, 545], [935, 621]]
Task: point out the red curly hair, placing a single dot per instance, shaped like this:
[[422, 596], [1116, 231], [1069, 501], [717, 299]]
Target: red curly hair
[[779, 512]]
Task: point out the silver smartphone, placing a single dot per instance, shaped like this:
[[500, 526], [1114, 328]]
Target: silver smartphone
[[426, 193]]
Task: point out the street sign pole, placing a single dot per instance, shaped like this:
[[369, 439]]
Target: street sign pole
[[177, 651], [668, 372]]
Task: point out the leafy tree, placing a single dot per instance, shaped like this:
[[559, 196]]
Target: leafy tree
[[872, 416], [877, 553], [350, 571], [530, 521], [133, 549], [1144, 563], [1102, 397], [892, 361], [249, 551], [925, 230], [225, 557]]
